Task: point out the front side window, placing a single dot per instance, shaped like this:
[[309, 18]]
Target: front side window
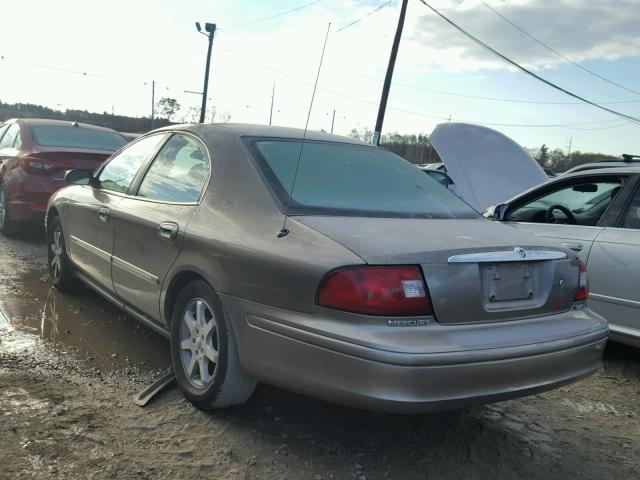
[[178, 172], [581, 203], [118, 174], [9, 137], [631, 218], [350, 179]]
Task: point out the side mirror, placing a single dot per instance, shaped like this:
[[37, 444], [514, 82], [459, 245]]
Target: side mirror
[[496, 212], [78, 177]]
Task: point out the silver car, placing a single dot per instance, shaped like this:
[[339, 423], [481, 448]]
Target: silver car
[[596, 213], [379, 288]]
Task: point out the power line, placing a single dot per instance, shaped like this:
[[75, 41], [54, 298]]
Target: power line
[[555, 52], [527, 71], [281, 14], [421, 114], [364, 16], [493, 99]]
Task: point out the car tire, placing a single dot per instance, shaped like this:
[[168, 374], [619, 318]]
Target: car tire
[[60, 267], [7, 226], [204, 352]]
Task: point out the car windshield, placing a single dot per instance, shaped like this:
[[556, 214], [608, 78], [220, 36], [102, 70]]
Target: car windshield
[[350, 179], [77, 137]]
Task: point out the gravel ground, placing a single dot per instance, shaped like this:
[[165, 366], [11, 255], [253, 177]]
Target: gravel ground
[[69, 366]]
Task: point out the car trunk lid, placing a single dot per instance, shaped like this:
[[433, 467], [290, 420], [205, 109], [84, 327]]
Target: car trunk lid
[[476, 270], [486, 166]]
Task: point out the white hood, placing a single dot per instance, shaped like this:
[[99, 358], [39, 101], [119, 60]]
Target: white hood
[[486, 166]]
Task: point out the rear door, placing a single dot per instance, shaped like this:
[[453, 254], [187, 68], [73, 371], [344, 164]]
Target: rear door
[[150, 223], [614, 271], [90, 224]]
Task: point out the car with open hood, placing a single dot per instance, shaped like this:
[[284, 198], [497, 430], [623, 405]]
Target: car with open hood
[[594, 210], [321, 265]]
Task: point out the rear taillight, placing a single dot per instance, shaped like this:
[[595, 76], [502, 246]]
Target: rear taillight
[[33, 165], [582, 293], [395, 291]]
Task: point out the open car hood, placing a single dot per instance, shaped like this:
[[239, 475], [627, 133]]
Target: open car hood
[[486, 166]]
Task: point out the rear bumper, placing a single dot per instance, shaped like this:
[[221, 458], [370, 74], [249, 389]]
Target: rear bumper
[[348, 373]]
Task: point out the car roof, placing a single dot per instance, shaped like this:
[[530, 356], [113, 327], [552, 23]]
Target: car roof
[[597, 165], [251, 130], [51, 122], [624, 168]]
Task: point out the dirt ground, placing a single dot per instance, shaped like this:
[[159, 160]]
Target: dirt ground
[[69, 365]]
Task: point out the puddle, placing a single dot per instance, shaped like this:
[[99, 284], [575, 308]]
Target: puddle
[[35, 315]]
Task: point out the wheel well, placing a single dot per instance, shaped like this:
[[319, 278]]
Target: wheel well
[[177, 282], [51, 214]]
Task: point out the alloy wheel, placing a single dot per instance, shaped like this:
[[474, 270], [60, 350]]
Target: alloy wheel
[[198, 343], [56, 254]]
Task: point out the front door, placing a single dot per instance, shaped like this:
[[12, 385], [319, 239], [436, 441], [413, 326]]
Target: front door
[[150, 225], [568, 212], [90, 232]]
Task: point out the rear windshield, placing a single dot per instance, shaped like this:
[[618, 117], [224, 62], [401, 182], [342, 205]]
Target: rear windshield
[[356, 180], [76, 137]]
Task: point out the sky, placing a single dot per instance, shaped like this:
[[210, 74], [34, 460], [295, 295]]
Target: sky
[[103, 56]]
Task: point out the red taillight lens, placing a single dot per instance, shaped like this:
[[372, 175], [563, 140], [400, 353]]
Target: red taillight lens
[[33, 165], [396, 291], [582, 293]]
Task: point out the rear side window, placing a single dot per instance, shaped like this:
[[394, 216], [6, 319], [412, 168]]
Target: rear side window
[[118, 174], [631, 218], [178, 173], [77, 137], [3, 128], [10, 136], [347, 179]]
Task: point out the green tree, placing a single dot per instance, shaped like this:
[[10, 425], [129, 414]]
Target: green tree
[[168, 107], [543, 155]]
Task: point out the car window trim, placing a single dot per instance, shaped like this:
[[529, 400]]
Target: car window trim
[[144, 169], [98, 172]]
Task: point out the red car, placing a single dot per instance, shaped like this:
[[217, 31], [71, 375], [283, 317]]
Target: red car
[[34, 157]]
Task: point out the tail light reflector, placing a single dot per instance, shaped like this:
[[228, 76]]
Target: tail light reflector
[[582, 292], [33, 165], [393, 291]]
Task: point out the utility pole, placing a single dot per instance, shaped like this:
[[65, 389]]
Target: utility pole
[[210, 28], [333, 119], [273, 93], [568, 154], [387, 80], [153, 102]]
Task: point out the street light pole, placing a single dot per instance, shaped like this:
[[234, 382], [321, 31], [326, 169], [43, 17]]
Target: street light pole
[[210, 28], [153, 102], [387, 80]]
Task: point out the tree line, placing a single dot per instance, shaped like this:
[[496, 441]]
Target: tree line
[[414, 148], [418, 149], [167, 110]]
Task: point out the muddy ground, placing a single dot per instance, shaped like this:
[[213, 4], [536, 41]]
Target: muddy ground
[[69, 365]]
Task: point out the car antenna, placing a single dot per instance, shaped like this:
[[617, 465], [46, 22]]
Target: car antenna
[[284, 231]]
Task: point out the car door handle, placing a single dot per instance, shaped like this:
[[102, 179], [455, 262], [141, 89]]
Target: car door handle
[[103, 214], [168, 230], [576, 247]]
